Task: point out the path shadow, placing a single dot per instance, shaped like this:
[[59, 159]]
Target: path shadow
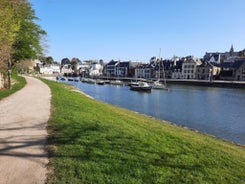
[[27, 146]]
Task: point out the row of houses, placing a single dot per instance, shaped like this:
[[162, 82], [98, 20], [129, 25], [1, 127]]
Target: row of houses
[[225, 66], [179, 68]]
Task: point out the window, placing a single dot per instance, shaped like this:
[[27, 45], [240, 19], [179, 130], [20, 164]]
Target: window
[[243, 70]]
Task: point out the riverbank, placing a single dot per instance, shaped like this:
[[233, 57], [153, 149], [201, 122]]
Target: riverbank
[[94, 142], [194, 82], [213, 83]]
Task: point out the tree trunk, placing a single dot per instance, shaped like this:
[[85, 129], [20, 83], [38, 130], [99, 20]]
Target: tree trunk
[[4, 81], [1, 81]]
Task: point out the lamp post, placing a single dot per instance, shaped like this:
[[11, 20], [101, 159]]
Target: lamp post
[[210, 74]]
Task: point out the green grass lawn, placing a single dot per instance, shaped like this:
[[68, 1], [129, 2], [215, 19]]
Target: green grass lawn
[[19, 82], [94, 142]]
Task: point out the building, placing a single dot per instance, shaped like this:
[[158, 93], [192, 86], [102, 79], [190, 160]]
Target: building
[[122, 69], [219, 57], [66, 69], [144, 71], [49, 69], [208, 71], [95, 69], [212, 57], [110, 68], [240, 72], [177, 68], [233, 70], [189, 67]]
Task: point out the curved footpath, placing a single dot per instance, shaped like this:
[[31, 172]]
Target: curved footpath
[[23, 120]]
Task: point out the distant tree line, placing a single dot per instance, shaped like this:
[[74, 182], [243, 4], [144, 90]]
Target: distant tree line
[[20, 37]]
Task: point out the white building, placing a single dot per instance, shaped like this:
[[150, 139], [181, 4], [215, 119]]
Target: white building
[[189, 68], [95, 69], [176, 73], [67, 68], [49, 69]]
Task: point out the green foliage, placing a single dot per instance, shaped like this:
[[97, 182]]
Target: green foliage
[[27, 43], [50, 60], [9, 25], [20, 36], [74, 63], [93, 142], [65, 61], [46, 60], [19, 83]]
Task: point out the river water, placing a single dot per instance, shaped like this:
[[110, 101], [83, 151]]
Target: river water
[[216, 111]]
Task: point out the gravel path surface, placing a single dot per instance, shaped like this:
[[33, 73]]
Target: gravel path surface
[[23, 121]]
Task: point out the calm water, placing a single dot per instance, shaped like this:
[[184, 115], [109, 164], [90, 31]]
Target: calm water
[[216, 111]]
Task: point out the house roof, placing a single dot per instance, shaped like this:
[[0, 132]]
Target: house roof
[[143, 66], [209, 56], [236, 64], [112, 63], [208, 64], [124, 64]]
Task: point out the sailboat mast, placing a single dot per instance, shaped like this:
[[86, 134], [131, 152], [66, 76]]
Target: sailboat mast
[[159, 64]]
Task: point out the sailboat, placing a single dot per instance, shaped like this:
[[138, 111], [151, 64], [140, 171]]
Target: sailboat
[[157, 84]]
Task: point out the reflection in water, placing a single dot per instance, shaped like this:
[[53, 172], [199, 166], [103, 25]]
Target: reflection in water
[[216, 111]]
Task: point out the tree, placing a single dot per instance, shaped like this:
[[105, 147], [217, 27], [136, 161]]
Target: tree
[[23, 66], [20, 36], [65, 61], [49, 60], [42, 59], [10, 19], [74, 63], [27, 44], [101, 62]]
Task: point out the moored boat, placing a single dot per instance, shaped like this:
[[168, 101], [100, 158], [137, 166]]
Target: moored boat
[[70, 79], [100, 82], [158, 85], [141, 86], [117, 82], [107, 81], [91, 81]]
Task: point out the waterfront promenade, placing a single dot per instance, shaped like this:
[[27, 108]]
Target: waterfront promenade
[[23, 122]]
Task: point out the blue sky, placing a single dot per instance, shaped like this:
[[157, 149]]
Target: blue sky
[[136, 29]]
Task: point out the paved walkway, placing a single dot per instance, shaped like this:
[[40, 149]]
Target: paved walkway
[[23, 121]]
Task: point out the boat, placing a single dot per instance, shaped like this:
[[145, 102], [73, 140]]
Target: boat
[[157, 84], [84, 79], [100, 82], [117, 82], [132, 82], [60, 77], [141, 86], [91, 81], [76, 79], [70, 79], [107, 81]]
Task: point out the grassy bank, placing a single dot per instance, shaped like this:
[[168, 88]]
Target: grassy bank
[[18, 83], [93, 142]]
